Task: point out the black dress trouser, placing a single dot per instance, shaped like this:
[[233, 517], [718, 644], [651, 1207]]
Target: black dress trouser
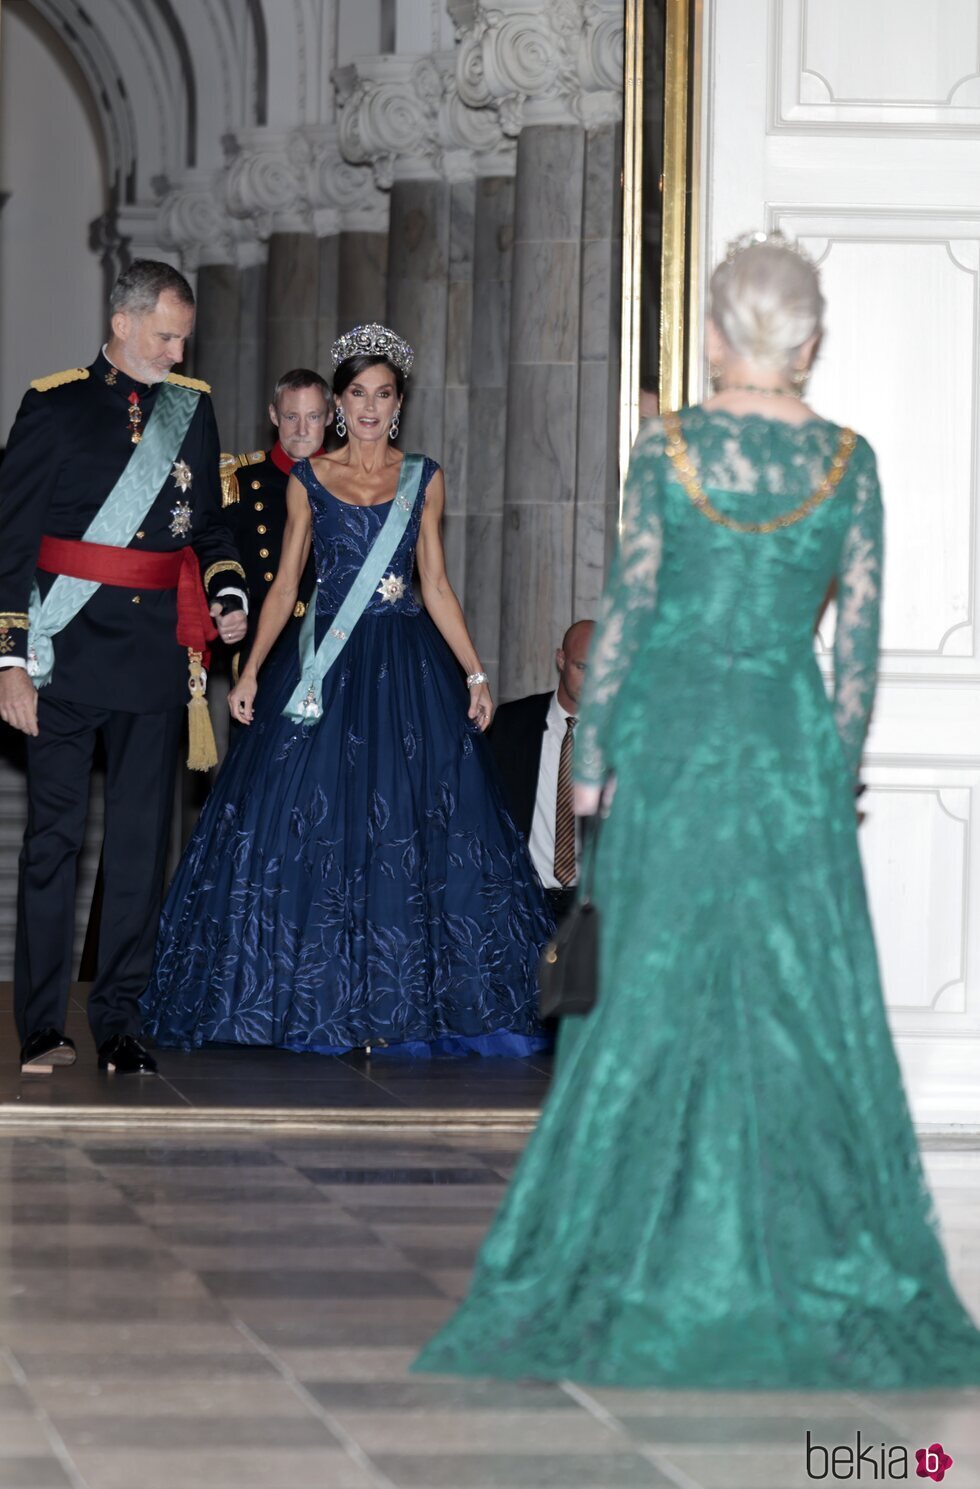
[[141, 764]]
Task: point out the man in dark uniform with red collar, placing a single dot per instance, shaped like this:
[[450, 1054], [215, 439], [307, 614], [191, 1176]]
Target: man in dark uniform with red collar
[[116, 572], [253, 488]]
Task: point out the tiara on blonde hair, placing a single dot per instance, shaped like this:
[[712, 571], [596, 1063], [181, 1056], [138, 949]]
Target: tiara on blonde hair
[[775, 239], [374, 341]]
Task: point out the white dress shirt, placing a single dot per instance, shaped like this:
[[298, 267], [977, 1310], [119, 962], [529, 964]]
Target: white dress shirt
[[542, 843]]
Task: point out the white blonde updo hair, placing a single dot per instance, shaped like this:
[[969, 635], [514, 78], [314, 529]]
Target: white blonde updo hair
[[766, 300]]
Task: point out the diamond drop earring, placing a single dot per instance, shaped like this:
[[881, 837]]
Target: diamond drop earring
[[393, 427], [340, 424]]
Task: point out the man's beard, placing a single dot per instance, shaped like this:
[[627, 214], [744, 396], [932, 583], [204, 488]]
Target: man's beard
[[147, 373], [143, 372]]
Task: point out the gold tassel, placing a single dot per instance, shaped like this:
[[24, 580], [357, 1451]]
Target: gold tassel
[[202, 753]]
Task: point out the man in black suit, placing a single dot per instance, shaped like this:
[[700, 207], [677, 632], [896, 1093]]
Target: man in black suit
[[532, 742], [253, 489], [94, 488]]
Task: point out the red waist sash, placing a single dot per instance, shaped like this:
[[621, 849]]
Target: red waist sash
[[127, 568]]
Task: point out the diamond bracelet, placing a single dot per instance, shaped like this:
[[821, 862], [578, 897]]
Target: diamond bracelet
[[475, 678]]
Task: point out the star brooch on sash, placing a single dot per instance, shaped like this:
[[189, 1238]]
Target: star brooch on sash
[[180, 515], [391, 588], [182, 475]]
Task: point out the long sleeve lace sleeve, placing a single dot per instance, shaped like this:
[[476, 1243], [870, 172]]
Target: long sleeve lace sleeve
[[628, 601], [858, 616]]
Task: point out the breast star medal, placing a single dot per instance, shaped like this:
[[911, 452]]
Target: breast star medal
[[180, 514], [391, 588], [180, 519], [182, 475]]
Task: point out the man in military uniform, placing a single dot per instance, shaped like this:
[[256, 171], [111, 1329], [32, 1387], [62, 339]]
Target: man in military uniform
[[116, 571], [253, 487]]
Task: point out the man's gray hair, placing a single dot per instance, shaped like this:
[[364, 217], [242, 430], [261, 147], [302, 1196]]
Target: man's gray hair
[[300, 377], [139, 287]]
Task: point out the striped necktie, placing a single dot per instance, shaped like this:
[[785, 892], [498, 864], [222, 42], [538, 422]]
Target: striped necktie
[[564, 815]]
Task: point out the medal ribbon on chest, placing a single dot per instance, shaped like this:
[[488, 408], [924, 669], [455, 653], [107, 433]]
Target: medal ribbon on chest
[[135, 417]]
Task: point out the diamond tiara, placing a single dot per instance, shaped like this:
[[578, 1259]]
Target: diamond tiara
[[373, 341], [775, 239]]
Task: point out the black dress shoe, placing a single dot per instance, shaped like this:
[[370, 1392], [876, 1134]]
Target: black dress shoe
[[44, 1049], [124, 1055]]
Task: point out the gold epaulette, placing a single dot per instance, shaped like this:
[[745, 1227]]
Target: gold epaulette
[[55, 379], [198, 384], [228, 465]]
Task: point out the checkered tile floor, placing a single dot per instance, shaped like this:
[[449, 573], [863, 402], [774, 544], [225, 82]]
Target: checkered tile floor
[[238, 1311]]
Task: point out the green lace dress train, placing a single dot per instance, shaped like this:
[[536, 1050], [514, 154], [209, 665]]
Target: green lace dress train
[[724, 1188]]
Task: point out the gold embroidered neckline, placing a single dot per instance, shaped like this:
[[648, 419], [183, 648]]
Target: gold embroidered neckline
[[680, 458]]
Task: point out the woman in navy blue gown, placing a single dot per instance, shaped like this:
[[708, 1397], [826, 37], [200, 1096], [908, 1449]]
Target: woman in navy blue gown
[[354, 879]]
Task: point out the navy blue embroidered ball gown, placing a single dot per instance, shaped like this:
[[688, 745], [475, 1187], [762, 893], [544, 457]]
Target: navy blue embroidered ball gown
[[356, 880]]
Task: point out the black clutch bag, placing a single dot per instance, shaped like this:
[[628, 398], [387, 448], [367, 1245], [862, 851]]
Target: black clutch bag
[[568, 973]]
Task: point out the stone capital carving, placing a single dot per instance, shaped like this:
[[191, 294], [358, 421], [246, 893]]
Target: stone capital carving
[[124, 233], [404, 116], [192, 220], [541, 61], [298, 181], [261, 183], [340, 195]]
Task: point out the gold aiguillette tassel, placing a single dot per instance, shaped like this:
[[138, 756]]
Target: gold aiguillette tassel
[[202, 752]]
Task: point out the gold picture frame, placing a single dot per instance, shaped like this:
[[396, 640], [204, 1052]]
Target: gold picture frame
[[679, 340]]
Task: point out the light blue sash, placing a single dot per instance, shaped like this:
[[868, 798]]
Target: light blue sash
[[305, 704], [115, 524]]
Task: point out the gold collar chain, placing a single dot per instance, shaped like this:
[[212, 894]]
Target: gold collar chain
[[678, 452]]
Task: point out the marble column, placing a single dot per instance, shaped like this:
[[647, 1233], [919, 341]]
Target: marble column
[[362, 278], [328, 326], [216, 343], [493, 252], [541, 467], [417, 301], [292, 303], [229, 345], [597, 466], [253, 390], [456, 396]]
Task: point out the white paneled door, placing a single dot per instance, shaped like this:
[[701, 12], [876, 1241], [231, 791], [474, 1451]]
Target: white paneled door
[[856, 127]]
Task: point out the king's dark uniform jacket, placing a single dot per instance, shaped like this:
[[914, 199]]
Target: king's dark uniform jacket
[[253, 493], [68, 447]]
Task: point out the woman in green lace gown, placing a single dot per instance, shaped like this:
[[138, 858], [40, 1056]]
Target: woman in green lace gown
[[724, 1189]]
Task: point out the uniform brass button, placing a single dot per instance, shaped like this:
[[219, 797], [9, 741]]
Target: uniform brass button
[[263, 553], [141, 535], [259, 506], [136, 599], [268, 577], [261, 529], [256, 485]]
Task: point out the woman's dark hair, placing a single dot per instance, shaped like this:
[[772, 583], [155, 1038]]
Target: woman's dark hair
[[354, 366]]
